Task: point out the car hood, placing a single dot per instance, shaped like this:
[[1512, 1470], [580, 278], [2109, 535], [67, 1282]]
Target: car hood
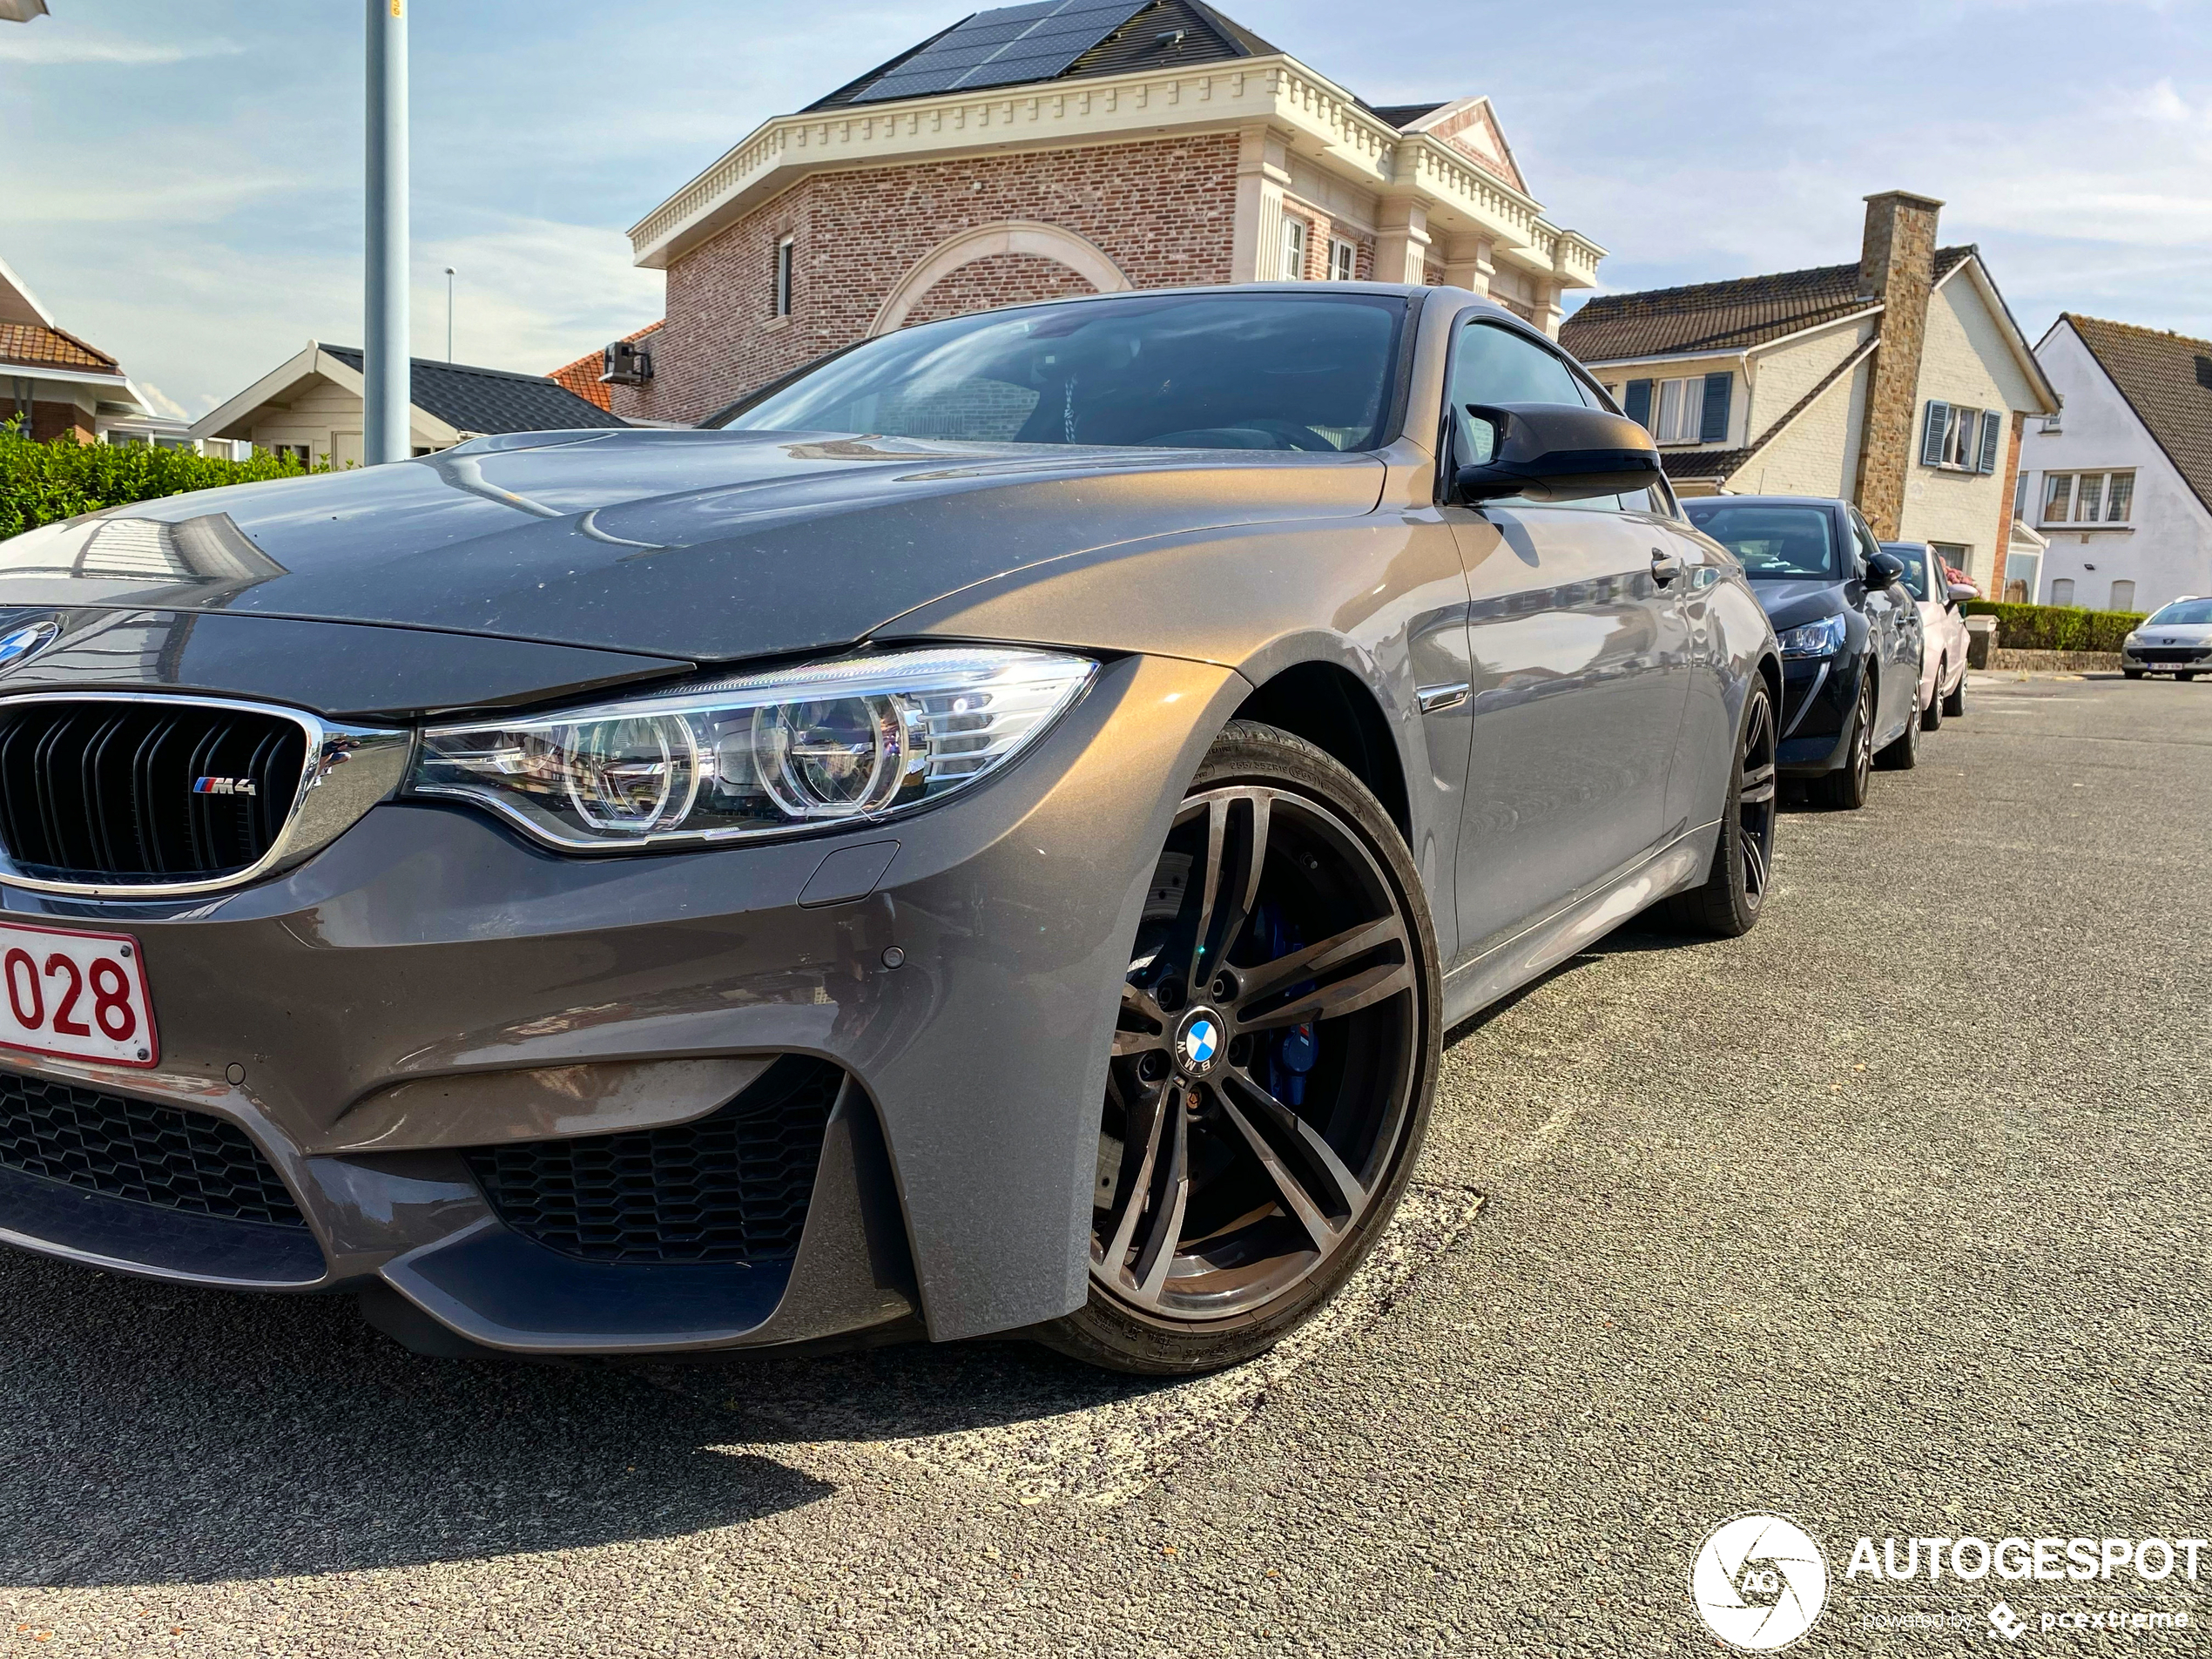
[[1790, 602], [2173, 633], [697, 545]]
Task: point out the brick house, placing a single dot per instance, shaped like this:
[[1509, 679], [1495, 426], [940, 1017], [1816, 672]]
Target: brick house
[[1071, 146], [1900, 382], [56, 383]]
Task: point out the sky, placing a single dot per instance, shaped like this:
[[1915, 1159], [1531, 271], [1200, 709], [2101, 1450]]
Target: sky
[[181, 184]]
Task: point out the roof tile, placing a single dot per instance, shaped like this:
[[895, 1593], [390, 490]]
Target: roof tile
[[1722, 316], [34, 342], [2167, 379], [492, 399]]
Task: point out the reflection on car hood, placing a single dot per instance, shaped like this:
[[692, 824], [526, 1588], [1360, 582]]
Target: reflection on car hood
[[1801, 600], [693, 544], [2173, 633]]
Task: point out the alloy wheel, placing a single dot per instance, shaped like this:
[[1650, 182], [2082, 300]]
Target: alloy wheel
[[1755, 801], [1265, 1062]]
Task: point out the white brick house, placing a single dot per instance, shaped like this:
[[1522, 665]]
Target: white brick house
[[2120, 485]]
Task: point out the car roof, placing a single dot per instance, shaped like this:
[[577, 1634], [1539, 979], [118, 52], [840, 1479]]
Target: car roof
[[1768, 501]]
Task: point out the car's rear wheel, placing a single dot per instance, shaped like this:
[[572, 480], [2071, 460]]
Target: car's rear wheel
[[1728, 902], [1272, 1064], [2185, 677], [1954, 703], [1932, 716], [1844, 789], [1902, 752]]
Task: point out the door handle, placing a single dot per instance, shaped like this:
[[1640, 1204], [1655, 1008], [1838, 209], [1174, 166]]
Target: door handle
[[1665, 567]]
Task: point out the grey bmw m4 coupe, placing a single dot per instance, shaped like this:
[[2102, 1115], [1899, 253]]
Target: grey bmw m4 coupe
[[984, 836]]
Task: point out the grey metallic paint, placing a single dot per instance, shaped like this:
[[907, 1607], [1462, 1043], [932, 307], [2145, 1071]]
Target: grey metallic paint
[[432, 968]]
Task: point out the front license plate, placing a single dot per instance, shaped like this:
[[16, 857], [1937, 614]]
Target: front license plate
[[79, 995]]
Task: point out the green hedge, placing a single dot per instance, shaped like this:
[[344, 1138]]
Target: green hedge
[[2055, 627], [40, 483]]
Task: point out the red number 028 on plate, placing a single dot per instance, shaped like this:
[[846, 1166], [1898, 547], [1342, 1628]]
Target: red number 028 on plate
[[79, 995]]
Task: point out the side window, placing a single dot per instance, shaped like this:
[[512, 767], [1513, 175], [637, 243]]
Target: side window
[[1868, 546], [1492, 365]]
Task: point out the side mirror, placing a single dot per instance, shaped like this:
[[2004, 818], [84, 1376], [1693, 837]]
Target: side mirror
[[1962, 591], [1884, 570], [1553, 452]]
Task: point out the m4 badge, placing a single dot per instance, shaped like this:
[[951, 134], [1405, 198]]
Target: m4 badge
[[223, 786]]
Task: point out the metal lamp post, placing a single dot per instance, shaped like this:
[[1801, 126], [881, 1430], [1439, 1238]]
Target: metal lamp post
[[386, 394], [448, 313]]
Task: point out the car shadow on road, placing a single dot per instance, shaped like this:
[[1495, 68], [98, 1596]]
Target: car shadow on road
[[159, 1435]]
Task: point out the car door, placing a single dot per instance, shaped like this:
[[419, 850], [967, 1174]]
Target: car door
[[1578, 674], [1893, 619]]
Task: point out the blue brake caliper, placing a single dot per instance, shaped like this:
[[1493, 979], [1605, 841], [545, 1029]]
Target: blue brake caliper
[[1293, 1050]]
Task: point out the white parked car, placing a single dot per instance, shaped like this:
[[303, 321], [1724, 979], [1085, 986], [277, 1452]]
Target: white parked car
[[2173, 639], [1943, 658]]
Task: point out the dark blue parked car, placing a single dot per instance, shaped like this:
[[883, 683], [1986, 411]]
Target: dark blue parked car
[[1850, 634]]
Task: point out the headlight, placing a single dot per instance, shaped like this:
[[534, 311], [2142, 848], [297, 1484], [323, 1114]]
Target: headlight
[[2128, 643], [1812, 639], [765, 755]]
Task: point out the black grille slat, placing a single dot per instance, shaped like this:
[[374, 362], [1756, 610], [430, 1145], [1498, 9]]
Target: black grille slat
[[103, 792], [731, 1187], [137, 1149]]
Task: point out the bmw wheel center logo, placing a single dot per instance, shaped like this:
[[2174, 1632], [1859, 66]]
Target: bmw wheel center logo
[[1200, 1042]]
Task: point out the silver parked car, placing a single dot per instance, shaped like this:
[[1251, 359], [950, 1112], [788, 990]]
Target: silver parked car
[[2173, 639], [986, 837]]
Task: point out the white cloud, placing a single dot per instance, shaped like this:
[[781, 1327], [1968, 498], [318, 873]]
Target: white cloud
[[47, 44]]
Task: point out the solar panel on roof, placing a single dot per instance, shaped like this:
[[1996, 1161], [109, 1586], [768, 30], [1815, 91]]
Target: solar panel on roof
[[999, 48]]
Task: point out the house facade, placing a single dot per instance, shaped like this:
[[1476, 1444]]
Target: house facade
[[2120, 483], [1900, 382], [1070, 148], [310, 406], [56, 383]]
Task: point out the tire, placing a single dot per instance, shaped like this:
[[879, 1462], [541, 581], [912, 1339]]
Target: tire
[[1734, 889], [2185, 677], [1183, 1279], [1844, 789], [1955, 702], [2131, 673], [1932, 716], [1902, 752]]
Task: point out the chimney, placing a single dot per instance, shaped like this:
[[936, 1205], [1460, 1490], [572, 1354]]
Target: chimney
[[1896, 267]]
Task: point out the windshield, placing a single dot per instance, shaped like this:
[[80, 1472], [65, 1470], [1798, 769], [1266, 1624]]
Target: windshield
[[1915, 558], [1775, 542], [1225, 371], [2181, 613]]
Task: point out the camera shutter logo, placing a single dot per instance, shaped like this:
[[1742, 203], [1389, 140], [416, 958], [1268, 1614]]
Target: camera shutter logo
[[1758, 1581]]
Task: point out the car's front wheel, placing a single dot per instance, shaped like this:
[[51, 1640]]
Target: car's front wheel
[[1844, 789], [1932, 716], [1272, 1064]]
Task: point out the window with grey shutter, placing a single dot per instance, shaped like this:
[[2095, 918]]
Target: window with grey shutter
[[1933, 433], [1990, 422], [1638, 406], [1714, 427]]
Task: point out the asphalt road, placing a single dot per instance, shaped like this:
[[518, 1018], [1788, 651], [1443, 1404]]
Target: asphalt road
[[1890, 1218]]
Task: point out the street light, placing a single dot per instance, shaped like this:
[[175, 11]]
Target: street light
[[386, 393], [448, 313]]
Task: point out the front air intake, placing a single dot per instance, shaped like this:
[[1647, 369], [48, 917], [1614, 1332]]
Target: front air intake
[[145, 790], [731, 1187]]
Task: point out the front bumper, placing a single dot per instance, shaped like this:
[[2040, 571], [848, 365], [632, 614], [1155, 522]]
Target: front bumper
[[432, 983], [1818, 696], [2168, 659]]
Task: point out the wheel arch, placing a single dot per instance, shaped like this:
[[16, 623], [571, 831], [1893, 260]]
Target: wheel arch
[[1331, 708]]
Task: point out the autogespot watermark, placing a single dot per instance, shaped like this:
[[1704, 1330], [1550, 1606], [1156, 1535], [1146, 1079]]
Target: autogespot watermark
[[1759, 1581]]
